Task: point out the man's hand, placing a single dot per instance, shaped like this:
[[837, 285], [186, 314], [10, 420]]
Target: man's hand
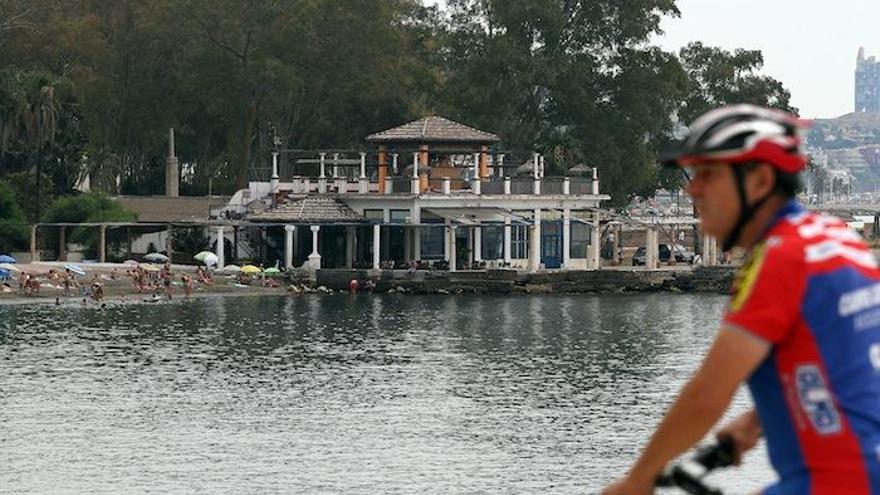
[[629, 486], [745, 431]]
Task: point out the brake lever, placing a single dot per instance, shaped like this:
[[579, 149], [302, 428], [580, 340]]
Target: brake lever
[[689, 475]]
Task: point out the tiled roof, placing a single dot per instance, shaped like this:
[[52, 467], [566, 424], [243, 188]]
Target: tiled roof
[[433, 129], [309, 209], [171, 209]]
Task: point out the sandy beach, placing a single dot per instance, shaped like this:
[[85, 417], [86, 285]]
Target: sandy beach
[[118, 287]]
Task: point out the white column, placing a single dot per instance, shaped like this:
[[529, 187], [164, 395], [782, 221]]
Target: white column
[[477, 167], [335, 165], [414, 187], [506, 185], [322, 171], [566, 186], [566, 237], [388, 185], [350, 240], [707, 258], [314, 262], [447, 186], [535, 165], [416, 218], [535, 243], [595, 242], [377, 245], [478, 243], [446, 244], [273, 181], [394, 163], [507, 233], [536, 186], [363, 166], [221, 260], [651, 249], [595, 184], [288, 245], [450, 243]]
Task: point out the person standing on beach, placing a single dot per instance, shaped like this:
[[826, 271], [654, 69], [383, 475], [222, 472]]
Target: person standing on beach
[[66, 282], [166, 277], [802, 327]]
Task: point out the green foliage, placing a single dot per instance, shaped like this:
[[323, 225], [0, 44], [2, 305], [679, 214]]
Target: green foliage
[[189, 240], [578, 81], [13, 232]]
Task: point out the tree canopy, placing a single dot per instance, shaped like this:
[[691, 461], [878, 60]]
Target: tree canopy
[[91, 87]]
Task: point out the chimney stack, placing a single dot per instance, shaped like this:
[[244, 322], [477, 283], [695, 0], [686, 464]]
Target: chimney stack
[[172, 171]]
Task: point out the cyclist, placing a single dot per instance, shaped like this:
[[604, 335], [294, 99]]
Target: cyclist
[[802, 326]]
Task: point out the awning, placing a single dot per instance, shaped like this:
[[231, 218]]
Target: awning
[[472, 216]]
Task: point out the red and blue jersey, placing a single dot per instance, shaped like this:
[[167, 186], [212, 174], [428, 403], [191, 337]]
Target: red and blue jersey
[[811, 288]]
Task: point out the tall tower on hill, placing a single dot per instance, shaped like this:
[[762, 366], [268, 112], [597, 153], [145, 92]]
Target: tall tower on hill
[[867, 83]]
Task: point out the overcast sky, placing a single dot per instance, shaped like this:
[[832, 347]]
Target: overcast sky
[[809, 45]]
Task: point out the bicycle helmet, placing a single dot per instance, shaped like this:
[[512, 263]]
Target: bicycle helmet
[[741, 134], [738, 135]]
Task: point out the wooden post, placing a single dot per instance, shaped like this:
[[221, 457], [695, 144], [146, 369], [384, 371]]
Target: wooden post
[[62, 245], [34, 255], [102, 244]]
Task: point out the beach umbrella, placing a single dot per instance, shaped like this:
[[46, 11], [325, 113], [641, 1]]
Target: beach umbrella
[[271, 272], [156, 258], [130, 262], [9, 267], [201, 255], [75, 269], [250, 269], [210, 260], [4, 274], [231, 269], [150, 268], [6, 259]]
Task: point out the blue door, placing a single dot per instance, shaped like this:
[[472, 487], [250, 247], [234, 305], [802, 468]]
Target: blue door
[[551, 244]]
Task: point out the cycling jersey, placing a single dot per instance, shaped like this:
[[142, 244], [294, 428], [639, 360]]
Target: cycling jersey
[[811, 288]]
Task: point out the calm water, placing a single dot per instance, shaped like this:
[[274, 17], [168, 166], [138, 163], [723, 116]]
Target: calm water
[[339, 394]]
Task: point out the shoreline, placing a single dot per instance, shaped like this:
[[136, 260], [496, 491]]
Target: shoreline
[[711, 280]]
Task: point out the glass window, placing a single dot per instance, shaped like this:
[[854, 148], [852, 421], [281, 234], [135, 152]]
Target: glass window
[[493, 242], [580, 239], [374, 216], [399, 216], [519, 241], [432, 241]]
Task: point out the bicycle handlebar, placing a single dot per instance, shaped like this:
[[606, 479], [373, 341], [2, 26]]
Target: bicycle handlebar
[[689, 475]]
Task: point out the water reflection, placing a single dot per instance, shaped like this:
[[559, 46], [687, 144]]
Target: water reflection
[[547, 394]]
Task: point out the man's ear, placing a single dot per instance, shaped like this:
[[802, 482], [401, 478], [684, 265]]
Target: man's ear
[[762, 181]]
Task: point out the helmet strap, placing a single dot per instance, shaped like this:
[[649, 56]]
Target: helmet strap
[[746, 210]]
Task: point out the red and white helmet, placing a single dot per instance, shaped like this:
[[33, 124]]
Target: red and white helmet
[[740, 134]]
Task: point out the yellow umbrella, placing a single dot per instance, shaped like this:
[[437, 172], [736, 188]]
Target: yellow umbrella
[[249, 269]]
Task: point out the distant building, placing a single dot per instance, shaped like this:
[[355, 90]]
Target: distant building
[[867, 84]]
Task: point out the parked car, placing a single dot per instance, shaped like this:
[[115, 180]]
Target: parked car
[[665, 251]]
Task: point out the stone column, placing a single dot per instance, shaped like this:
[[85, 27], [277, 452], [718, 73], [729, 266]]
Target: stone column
[[535, 243], [595, 242], [566, 186], [595, 183], [566, 237], [450, 243], [446, 245], [34, 252], [350, 240], [62, 244], [507, 185], [314, 262], [102, 244], [414, 189], [363, 183], [221, 247], [536, 186], [388, 185], [274, 180], [651, 249], [322, 173], [478, 243], [447, 186], [377, 245], [289, 231], [507, 243]]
